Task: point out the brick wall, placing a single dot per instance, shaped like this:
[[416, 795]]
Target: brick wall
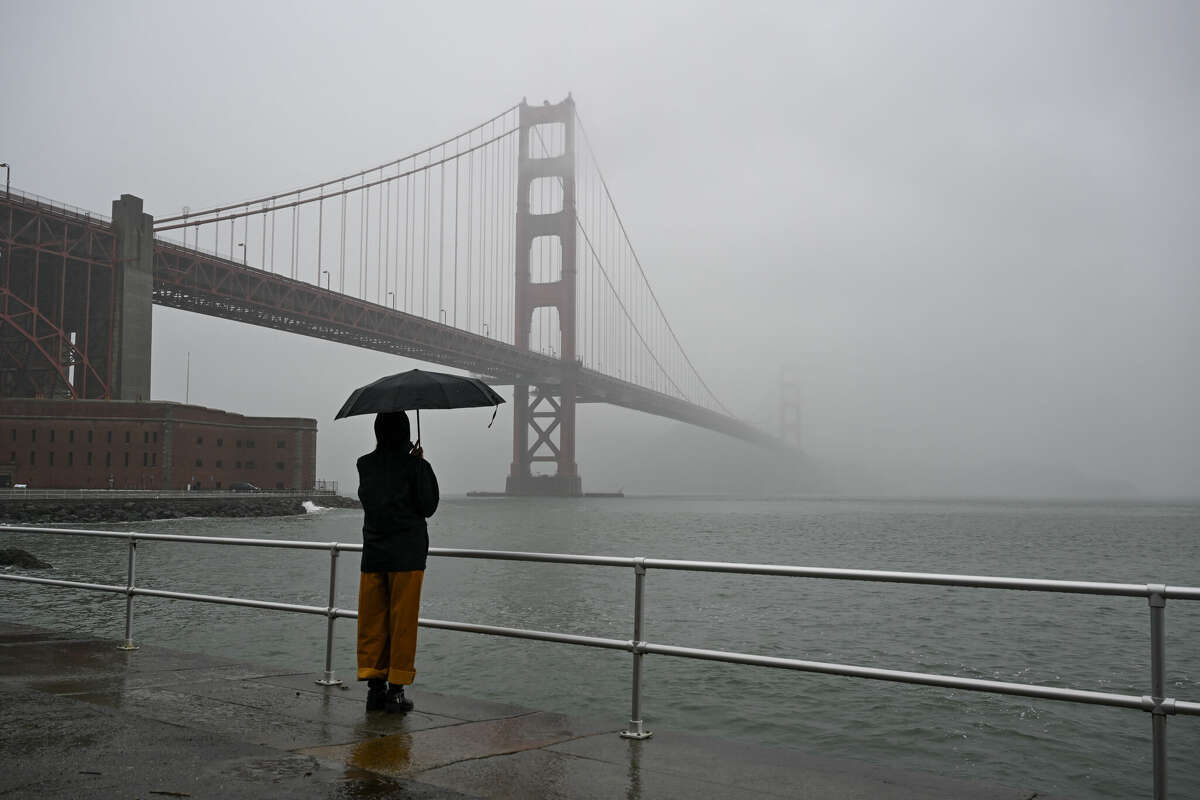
[[94, 444]]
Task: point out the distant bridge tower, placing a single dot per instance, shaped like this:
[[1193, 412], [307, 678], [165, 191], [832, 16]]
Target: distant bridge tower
[[789, 405], [546, 410]]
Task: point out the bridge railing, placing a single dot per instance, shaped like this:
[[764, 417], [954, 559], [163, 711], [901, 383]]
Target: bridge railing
[[74, 211], [1156, 702]]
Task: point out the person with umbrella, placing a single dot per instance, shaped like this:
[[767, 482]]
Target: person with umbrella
[[399, 492]]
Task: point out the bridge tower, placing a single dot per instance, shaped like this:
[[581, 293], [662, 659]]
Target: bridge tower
[[789, 405], [546, 410]]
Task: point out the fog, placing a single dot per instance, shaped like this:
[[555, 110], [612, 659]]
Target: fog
[[972, 228]]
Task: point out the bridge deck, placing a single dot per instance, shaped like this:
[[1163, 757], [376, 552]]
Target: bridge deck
[[82, 718]]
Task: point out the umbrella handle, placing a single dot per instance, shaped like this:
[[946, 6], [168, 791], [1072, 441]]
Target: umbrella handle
[[418, 442]]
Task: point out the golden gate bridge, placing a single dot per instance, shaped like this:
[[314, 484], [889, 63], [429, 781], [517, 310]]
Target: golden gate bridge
[[499, 251]]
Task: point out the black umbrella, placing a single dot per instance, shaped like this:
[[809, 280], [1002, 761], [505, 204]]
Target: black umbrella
[[417, 389]]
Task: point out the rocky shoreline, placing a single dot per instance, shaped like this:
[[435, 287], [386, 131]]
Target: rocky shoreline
[[44, 511]]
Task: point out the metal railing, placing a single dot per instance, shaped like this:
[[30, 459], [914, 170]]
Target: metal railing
[[83, 214], [154, 494], [1156, 702]]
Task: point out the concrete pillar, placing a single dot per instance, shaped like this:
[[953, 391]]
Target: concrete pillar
[[133, 301]]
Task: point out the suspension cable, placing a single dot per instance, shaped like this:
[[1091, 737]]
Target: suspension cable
[[332, 181]]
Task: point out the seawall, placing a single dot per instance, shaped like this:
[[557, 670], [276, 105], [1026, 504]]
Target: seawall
[[126, 509]]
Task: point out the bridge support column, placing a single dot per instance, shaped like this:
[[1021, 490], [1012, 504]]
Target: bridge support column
[[547, 409], [133, 279]]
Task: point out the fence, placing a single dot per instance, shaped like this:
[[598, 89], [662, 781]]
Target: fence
[[1156, 703], [83, 214], [155, 494]]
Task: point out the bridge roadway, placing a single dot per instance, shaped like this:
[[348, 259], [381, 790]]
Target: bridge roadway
[[80, 718], [198, 281], [205, 283]]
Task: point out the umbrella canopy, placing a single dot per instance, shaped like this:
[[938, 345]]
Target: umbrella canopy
[[417, 389]]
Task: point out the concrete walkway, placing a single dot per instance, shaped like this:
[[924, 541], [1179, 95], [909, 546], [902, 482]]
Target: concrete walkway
[[80, 718]]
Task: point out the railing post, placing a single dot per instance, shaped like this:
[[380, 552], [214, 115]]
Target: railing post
[[129, 583], [1158, 604], [635, 729], [331, 617]]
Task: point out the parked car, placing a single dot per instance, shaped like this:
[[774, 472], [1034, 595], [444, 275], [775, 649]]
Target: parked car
[[239, 486]]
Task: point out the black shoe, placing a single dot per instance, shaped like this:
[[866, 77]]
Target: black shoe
[[396, 702], [376, 694]]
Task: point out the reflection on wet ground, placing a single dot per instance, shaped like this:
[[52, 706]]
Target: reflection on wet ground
[[80, 718]]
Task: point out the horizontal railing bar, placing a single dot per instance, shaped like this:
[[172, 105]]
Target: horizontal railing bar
[[551, 558], [199, 598], [522, 633], [174, 537], [829, 573], [97, 587], [900, 676], [231, 601], [1185, 707], [927, 578]]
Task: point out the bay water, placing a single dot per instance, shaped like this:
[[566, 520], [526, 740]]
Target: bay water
[[1096, 643]]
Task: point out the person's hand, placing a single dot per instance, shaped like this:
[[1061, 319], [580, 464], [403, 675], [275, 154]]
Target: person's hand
[[418, 451]]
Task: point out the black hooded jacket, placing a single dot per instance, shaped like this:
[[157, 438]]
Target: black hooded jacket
[[398, 492]]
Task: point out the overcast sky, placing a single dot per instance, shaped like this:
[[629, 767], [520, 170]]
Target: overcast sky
[[972, 226]]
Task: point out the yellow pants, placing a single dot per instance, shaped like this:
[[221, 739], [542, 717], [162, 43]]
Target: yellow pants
[[388, 604]]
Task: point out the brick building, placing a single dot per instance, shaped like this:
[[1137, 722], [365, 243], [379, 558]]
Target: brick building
[[100, 444]]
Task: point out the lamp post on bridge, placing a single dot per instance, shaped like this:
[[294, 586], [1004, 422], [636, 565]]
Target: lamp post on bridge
[[391, 299], [485, 329], [442, 316], [7, 179], [243, 246], [328, 280]]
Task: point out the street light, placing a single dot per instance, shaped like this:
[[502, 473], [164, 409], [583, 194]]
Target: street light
[[7, 176], [485, 329], [391, 299], [442, 316], [243, 246], [328, 280]]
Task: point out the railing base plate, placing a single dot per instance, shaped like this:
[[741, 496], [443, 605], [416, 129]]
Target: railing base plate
[[635, 731]]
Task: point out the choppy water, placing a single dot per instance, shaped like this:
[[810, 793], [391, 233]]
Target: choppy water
[[1060, 640]]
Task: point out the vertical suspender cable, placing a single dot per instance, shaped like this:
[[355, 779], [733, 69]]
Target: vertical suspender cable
[[483, 233], [425, 243], [497, 271], [387, 244], [470, 230], [362, 235], [441, 233], [296, 238], [379, 298], [454, 301], [395, 281], [320, 234], [342, 244], [407, 233]]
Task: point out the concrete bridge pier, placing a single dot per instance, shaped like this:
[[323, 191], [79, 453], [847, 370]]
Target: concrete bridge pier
[[133, 279]]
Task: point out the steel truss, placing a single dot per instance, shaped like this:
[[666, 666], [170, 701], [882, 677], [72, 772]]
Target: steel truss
[[56, 302]]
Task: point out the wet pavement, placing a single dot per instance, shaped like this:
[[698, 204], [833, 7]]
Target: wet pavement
[[80, 718]]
